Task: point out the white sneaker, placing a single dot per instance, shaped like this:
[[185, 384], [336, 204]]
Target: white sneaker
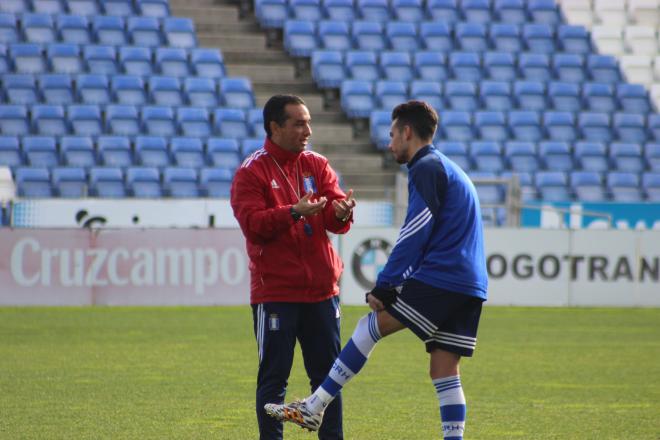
[[295, 412]]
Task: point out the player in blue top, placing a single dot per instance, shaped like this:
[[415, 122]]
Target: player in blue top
[[434, 282]]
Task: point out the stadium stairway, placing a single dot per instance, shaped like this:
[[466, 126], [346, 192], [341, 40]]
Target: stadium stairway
[[248, 51]]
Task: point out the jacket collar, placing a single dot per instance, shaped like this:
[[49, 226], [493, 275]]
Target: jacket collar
[[281, 155], [420, 153]]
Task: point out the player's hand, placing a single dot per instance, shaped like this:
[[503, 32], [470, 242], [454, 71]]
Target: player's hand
[[375, 304], [344, 207], [307, 207]]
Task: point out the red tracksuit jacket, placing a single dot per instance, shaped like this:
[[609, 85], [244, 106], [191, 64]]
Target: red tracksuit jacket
[[287, 264]]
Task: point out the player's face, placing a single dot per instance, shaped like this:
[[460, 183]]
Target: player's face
[[398, 146], [296, 131]]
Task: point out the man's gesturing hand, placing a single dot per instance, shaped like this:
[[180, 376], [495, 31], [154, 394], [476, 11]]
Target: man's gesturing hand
[[344, 207], [307, 207]]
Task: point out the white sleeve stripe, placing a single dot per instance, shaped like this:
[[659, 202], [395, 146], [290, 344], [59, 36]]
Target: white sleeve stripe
[[417, 218], [412, 232]]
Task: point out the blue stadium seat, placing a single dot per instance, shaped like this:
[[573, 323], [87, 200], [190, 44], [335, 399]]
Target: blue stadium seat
[[374, 10], [522, 156], [457, 152], [165, 90], [307, 10], [564, 96], [629, 127], [624, 186], [569, 67], [143, 182], [20, 89], [651, 185], [15, 6], [328, 68], [456, 125], [599, 97], [539, 38], [14, 120], [342, 10], [396, 65], [144, 31], [77, 151], [443, 10], [390, 93], [487, 155], [526, 182], [476, 11], [153, 8], [135, 60], [109, 30], [151, 151], [118, 7], [553, 186], [380, 122], [128, 89], [223, 153], [471, 36], [357, 98], [255, 120], [595, 127], [33, 182], [430, 65], [122, 120], [534, 66], [505, 37], [335, 35], [465, 66], [27, 58], [530, 95], [627, 157], [603, 68], [107, 182], [525, 126], [93, 89], [489, 194], [215, 182], [362, 65], [271, 13], [237, 92], [40, 151], [65, 58], [187, 152], [429, 91], [114, 151], [208, 62], [4, 59], [56, 89], [510, 11], [194, 121], [11, 154], [500, 66], [100, 59], [85, 119], [69, 182], [587, 186], [230, 123], [574, 39], [250, 145], [491, 126], [201, 92], [8, 29], [49, 120], [462, 95], [159, 121], [179, 32], [402, 35], [368, 35], [84, 7], [436, 36], [591, 156], [560, 126], [172, 61], [633, 98], [544, 11], [180, 182], [408, 10], [556, 156], [300, 38], [38, 28], [496, 95], [653, 125]]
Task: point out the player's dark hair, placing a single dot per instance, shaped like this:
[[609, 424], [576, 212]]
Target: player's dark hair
[[419, 115], [274, 110]]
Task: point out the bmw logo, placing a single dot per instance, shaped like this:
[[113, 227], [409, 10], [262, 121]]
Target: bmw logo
[[369, 259]]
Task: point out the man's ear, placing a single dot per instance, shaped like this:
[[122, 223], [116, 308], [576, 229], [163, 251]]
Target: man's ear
[[274, 127], [407, 132]]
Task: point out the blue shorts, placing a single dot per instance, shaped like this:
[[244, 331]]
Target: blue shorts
[[442, 319]]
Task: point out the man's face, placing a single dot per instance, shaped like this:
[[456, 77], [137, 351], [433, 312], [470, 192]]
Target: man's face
[[296, 131], [398, 145]]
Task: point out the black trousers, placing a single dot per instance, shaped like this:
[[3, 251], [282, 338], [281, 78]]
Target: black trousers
[[277, 326]]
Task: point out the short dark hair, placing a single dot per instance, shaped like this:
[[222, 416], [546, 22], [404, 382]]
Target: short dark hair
[[274, 110], [419, 115]]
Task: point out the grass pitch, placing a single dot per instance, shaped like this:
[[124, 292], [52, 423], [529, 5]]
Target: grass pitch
[[189, 373]]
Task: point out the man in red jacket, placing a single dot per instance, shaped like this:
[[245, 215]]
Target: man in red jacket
[[285, 199]]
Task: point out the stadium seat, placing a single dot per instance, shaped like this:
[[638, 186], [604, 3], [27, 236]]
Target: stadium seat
[[118, 7], [255, 121], [603, 68], [465, 66], [230, 123], [335, 35], [328, 68], [488, 193], [530, 95], [379, 124], [153, 8], [158, 121], [20, 89], [553, 186], [49, 120], [461, 95], [172, 61], [443, 10], [85, 119], [69, 182], [556, 156], [522, 156], [436, 36], [651, 186], [641, 40], [300, 38], [539, 38], [491, 126], [633, 98], [114, 151], [194, 121], [307, 10], [374, 10], [430, 65], [544, 11], [180, 182], [208, 62], [487, 155], [362, 65], [250, 145], [271, 13], [14, 120], [135, 60], [357, 98], [33, 182], [526, 181], [599, 97], [637, 68], [341, 10], [591, 156], [128, 89], [534, 66], [429, 91], [402, 36], [624, 186], [11, 154], [179, 32], [560, 126], [471, 36], [569, 67], [165, 90], [565, 96], [496, 95], [201, 92], [457, 152], [151, 151], [77, 151], [38, 28], [144, 31], [64, 58], [627, 157], [456, 125], [595, 126], [106, 182], [143, 182], [27, 58], [476, 11], [587, 186], [408, 10], [629, 127], [644, 12], [93, 89], [215, 182], [579, 12], [396, 65], [608, 40], [187, 152], [652, 155], [500, 66], [223, 153], [368, 35], [40, 151], [100, 59], [525, 126], [505, 37], [510, 11], [574, 39], [390, 93], [8, 29], [14, 6], [109, 30], [122, 120], [84, 7]]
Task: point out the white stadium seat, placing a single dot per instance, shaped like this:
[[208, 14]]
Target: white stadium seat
[[608, 39], [655, 94], [611, 12], [578, 12], [644, 12], [637, 69], [641, 40]]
